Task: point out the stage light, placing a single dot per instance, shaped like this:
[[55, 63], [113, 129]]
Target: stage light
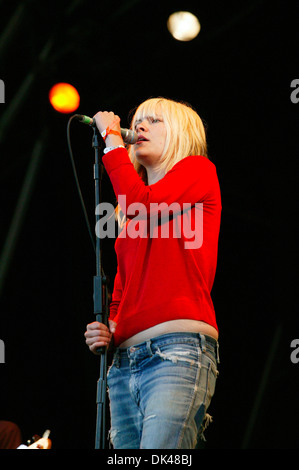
[[64, 98], [183, 25]]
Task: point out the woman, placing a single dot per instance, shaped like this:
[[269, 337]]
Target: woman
[[162, 317]]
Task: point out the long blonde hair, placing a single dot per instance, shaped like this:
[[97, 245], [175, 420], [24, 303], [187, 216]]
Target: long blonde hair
[[185, 133]]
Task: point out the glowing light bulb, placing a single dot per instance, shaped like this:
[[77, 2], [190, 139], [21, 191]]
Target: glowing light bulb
[[183, 25], [64, 98]]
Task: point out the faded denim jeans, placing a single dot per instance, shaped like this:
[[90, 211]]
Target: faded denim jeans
[[160, 391]]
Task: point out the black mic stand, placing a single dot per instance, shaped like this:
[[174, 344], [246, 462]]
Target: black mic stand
[[100, 300]]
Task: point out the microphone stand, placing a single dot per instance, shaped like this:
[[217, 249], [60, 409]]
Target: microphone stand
[[100, 300]]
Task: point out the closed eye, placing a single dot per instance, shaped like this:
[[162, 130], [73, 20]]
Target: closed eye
[[154, 120], [150, 119]]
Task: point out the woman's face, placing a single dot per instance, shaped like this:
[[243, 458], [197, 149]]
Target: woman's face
[[151, 132]]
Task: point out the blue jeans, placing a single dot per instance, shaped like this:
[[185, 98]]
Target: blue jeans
[[160, 391]]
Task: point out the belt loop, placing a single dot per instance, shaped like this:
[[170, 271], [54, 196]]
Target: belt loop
[[203, 342], [116, 358], [217, 352], [149, 347]]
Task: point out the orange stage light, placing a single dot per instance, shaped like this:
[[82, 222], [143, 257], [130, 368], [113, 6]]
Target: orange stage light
[[64, 98]]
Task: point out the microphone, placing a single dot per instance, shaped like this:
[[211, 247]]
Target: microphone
[[128, 136]]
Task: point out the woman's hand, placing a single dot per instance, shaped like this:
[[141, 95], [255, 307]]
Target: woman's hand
[[105, 119], [98, 335]]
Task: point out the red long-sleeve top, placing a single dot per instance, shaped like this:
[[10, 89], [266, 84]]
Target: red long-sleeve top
[[159, 277]]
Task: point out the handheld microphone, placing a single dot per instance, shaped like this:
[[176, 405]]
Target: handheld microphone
[[128, 136]]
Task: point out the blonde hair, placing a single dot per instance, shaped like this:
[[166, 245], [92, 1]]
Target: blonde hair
[[185, 133]]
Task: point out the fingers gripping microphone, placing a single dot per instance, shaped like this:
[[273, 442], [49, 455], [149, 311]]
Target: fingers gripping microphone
[[128, 136]]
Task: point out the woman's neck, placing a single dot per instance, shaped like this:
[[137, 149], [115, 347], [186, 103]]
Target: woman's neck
[[154, 175]]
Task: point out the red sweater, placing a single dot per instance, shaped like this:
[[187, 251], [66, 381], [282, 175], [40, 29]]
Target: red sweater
[[160, 279]]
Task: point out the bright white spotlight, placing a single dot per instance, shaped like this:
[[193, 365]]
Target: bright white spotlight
[[183, 25]]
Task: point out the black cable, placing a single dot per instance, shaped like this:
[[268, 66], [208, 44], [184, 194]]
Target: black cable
[[77, 182]]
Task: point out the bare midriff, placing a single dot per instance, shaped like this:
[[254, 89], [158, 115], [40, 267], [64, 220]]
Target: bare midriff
[[174, 326]]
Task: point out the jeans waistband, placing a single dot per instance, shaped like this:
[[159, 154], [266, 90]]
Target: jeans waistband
[[151, 345]]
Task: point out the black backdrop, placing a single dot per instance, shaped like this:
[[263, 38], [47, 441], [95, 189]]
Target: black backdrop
[[237, 74]]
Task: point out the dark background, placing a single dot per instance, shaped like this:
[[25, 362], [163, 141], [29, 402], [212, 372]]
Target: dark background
[[237, 74]]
